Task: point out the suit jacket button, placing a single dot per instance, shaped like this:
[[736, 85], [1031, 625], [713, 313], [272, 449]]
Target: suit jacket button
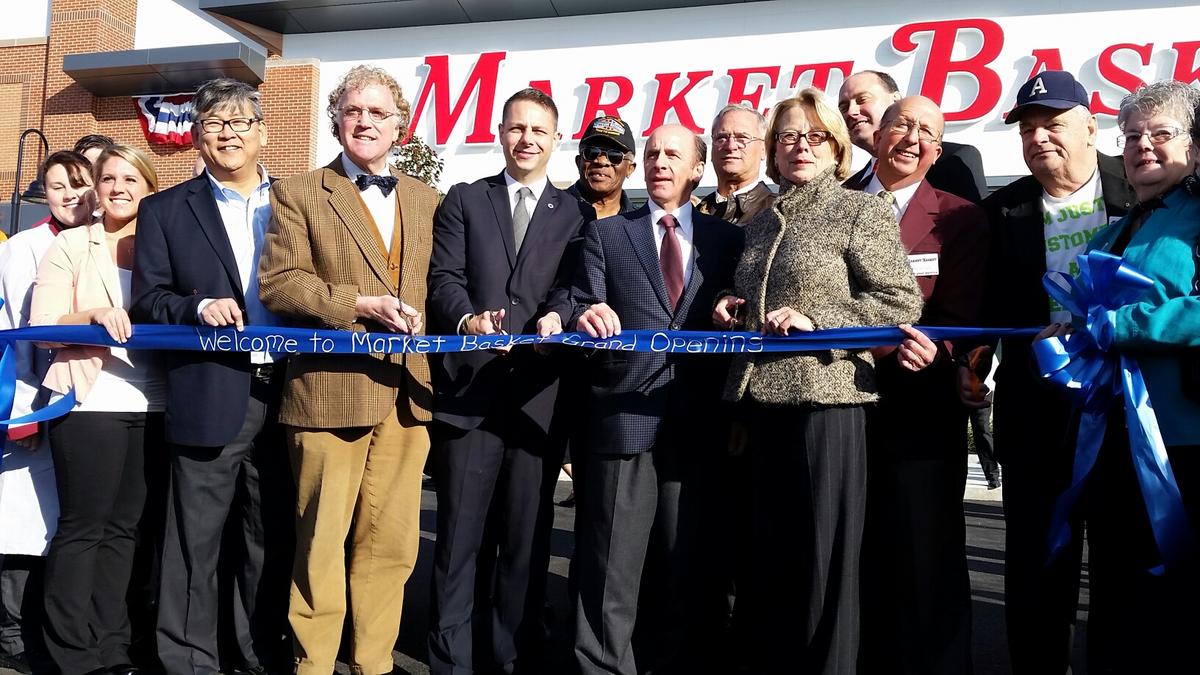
[[674, 326], [516, 301], [393, 266]]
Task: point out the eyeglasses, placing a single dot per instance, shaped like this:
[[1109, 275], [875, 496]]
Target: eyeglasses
[[813, 137], [239, 125], [903, 127], [376, 115], [1157, 136], [592, 153], [734, 140]]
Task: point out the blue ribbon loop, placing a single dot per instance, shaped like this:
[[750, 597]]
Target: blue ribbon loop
[[1084, 363], [8, 390]]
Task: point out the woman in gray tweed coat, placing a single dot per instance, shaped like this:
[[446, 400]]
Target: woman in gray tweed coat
[[822, 257]]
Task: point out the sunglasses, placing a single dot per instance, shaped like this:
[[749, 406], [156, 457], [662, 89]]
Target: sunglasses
[[591, 153]]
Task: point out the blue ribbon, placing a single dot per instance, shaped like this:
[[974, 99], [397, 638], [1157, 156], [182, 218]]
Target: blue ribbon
[[8, 390], [1084, 363]]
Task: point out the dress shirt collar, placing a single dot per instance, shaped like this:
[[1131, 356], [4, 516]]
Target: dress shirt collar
[[903, 195], [536, 187], [683, 215], [221, 190], [353, 171]]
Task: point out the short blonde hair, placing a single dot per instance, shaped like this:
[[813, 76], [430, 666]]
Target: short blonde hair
[[814, 100], [360, 77], [137, 158]]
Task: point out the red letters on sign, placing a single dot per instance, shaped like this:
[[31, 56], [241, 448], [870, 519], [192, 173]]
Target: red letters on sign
[[1114, 75], [1044, 59], [594, 108], [940, 64], [821, 72], [1186, 69], [482, 78], [664, 100], [739, 78]]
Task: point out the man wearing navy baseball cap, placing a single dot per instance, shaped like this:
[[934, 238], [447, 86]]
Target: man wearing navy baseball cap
[[607, 156], [1040, 222]]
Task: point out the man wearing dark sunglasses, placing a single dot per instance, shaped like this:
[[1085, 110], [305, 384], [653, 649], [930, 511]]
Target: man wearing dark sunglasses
[[605, 160]]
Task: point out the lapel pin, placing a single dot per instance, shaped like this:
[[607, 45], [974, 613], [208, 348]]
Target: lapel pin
[[550, 206]]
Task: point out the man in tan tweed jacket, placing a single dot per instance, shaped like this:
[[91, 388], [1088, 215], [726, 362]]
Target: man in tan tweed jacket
[[349, 249]]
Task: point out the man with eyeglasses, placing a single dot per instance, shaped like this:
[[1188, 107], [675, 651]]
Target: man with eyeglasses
[[196, 263], [605, 160], [737, 155], [348, 249], [864, 97], [501, 246], [1040, 222], [916, 613]]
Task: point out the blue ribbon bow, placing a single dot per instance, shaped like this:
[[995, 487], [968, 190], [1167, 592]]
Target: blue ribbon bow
[[1084, 362]]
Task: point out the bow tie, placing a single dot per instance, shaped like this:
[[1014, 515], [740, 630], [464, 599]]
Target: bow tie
[[386, 183]]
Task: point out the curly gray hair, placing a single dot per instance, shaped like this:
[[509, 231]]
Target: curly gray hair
[[362, 76], [1169, 97]]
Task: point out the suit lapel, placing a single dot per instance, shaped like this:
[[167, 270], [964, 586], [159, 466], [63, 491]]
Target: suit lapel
[[103, 260], [918, 221], [498, 196], [408, 224], [345, 202], [543, 213], [204, 208], [641, 235]]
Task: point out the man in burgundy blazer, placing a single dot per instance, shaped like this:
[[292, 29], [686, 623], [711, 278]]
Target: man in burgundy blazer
[[916, 592]]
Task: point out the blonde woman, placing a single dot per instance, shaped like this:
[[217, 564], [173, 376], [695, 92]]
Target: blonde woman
[[99, 447]]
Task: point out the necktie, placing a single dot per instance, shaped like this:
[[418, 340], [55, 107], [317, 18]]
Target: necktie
[[521, 216], [670, 259], [386, 183], [887, 197]]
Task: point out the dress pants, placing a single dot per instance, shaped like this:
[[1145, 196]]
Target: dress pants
[[99, 471], [1138, 621], [247, 486], [810, 473], [20, 587], [495, 487], [368, 478], [1041, 596], [630, 507], [916, 589]]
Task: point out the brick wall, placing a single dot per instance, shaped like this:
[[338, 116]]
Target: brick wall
[[22, 83], [289, 96], [34, 92]]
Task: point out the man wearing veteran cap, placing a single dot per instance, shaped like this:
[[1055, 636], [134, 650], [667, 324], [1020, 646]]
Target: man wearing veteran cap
[[1039, 223], [607, 156], [738, 135]]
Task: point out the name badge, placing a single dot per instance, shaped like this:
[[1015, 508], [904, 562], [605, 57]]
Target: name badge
[[924, 264]]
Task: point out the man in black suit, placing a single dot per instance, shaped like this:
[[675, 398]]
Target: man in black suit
[[864, 97], [196, 261], [1040, 222], [500, 245], [659, 267], [916, 589]]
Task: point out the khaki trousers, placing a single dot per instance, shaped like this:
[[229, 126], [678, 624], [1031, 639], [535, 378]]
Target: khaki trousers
[[369, 477]]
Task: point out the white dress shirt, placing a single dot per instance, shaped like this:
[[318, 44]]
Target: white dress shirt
[[685, 234], [383, 209], [537, 187], [246, 222], [902, 195]]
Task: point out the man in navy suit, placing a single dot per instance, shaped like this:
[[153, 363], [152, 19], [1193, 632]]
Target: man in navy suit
[[646, 450], [916, 591], [500, 245], [195, 264]]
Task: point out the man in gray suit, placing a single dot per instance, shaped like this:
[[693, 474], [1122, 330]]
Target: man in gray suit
[[656, 268]]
